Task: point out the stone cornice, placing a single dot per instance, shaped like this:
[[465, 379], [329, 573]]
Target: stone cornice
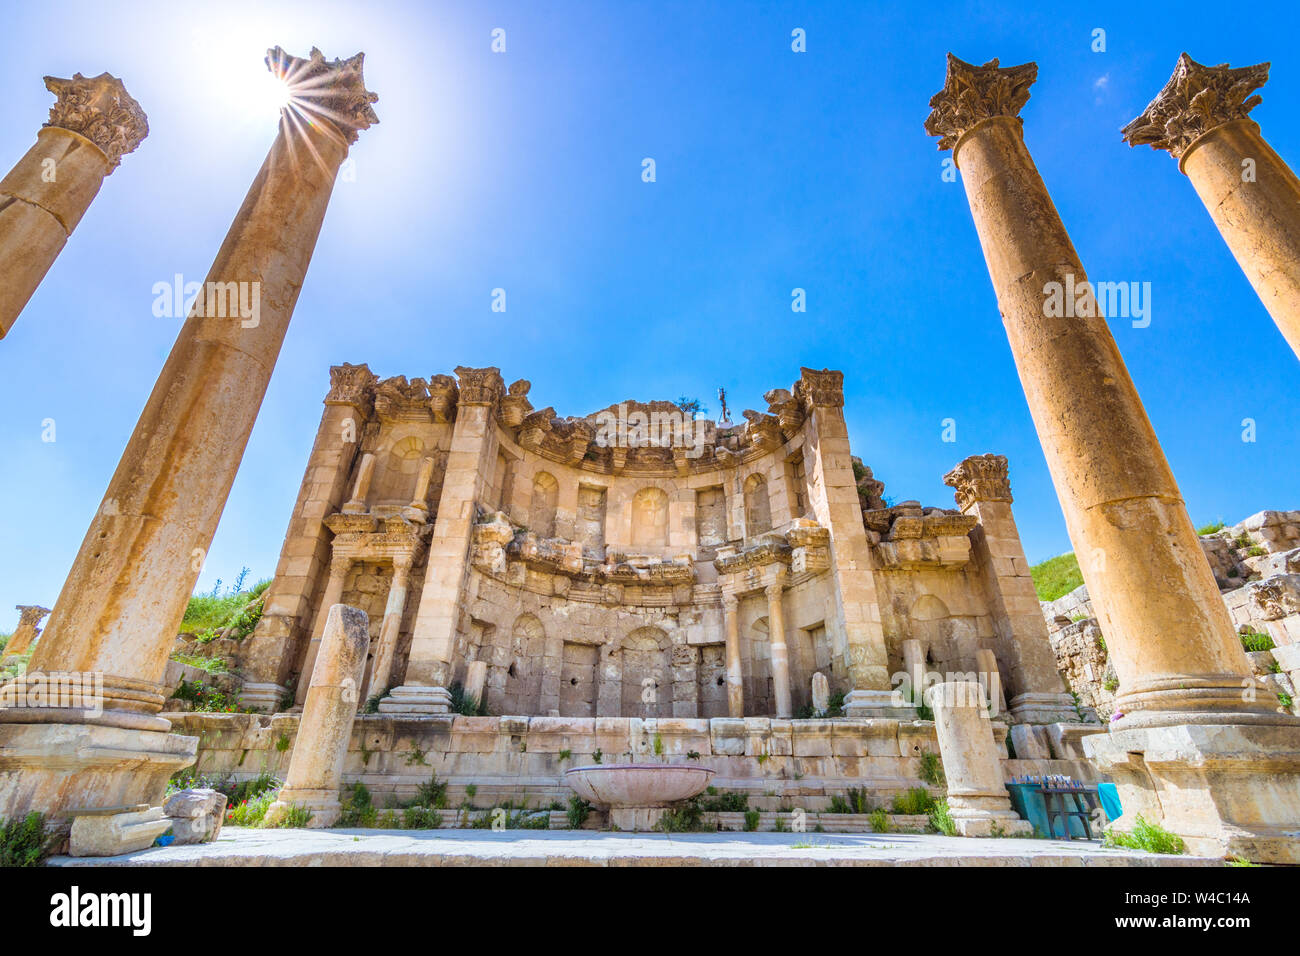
[[980, 478], [1197, 99], [330, 91], [100, 109], [973, 93]]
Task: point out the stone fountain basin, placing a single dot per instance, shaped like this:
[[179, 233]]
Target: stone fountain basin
[[637, 785]]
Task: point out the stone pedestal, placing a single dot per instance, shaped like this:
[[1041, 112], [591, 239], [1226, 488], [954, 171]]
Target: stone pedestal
[[42, 199], [1226, 789], [635, 819], [1252, 195], [416, 700], [114, 831], [262, 697], [977, 797], [316, 767]]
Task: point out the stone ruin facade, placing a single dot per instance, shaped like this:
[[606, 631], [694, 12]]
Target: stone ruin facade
[[636, 562]]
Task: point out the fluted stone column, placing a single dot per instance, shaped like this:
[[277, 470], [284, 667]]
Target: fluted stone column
[[977, 795], [1168, 633], [321, 746], [470, 463], [93, 124], [735, 673], [1253, 196], [271, 653], [776, 634], [389, 631], [122, 604], [1037, 692], [29, 619]]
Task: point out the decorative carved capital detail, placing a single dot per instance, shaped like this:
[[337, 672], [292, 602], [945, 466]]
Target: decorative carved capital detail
[[332, 91], [823, 389], [480, 386], [100, 109], [973, 93], [980, 478], [352, 385], [30, 615], [1196, 99]]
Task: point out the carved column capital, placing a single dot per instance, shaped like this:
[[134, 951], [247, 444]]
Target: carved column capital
[[352, 385], [730, 602], [824, 389], [329, 92], [980, 478], [973, 93], [100, 109], [1196, 99], [480, 386], [29, 615]]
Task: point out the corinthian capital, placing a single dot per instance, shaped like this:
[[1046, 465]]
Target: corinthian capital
[[330, 90], [481, 386], [973, 93], [980, 478], [823, 389], [1196, 99], [352, 385], [100, 109]]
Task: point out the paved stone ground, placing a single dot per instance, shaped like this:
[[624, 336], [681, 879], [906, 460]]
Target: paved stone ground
[[244, 847]]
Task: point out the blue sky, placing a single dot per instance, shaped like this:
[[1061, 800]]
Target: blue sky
[[522, 171]]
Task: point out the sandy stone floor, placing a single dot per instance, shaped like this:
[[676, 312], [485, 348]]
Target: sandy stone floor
[[244, 847]]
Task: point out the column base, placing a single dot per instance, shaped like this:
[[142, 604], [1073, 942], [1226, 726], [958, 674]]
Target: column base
[[987, 815], [52, 768], [1228, 789], [263, 698], [113, 834], [410, 699], [878, 703], [324, 806], [1033, 708]]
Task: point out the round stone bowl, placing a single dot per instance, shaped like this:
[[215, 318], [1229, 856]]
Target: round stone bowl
[[636, 784]]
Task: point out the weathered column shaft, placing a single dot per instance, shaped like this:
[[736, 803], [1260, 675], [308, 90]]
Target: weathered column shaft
[[780, 652], [42, 199], [390, 629], [321, 746], [735, 674], [356, 505], [1252, 195], [333, 594], [122, 604], [1168, 632]]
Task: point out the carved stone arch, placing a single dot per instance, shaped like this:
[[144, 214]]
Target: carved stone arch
[[758, 506], [541, 512]]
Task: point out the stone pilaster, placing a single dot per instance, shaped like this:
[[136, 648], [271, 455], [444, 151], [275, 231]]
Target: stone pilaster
[[1169, 635], [122, 604], [93, 123], [269, 656], [833, 498], [470, 464], [1023, 651], [1202, 118]]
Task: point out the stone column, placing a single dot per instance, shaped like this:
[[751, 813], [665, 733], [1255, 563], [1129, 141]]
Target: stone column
[[776, 634], [470, 463], [1200, 117], [321, 746], [735, 673], [1024, 653], [29, 616], [340, 565], [1167, 630], [93, 124], [977, 796], [389, 631], [356, 505], [269, 653], [418, 509], [833, 498], [122, 604]]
